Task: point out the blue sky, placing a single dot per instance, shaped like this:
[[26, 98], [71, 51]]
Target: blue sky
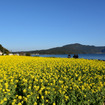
[[43, 24]]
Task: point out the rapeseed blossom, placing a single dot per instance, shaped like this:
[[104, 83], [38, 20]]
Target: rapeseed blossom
[[54, 81]]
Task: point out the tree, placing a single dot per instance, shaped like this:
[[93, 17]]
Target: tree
[[75, 56], [28, 54]]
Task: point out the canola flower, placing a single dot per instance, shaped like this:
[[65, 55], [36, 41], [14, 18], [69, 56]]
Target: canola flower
[[51, 81]]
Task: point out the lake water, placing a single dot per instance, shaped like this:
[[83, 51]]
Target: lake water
[[85, 56]]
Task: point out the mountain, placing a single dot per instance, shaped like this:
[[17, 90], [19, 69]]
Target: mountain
[[4, 50], [72, 49]]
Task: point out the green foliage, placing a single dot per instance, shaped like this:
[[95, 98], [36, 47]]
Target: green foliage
[[28, 54], [4, 50]]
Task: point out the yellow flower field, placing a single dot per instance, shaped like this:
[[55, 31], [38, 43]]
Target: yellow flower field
[[51, 81]]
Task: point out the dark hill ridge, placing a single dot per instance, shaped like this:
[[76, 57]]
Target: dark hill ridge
[[72, 49], [4, 50]]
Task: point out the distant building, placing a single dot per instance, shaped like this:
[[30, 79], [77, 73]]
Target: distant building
[[1, 53], [22, 54], [10, 54], [16, 54], [37, 54]]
